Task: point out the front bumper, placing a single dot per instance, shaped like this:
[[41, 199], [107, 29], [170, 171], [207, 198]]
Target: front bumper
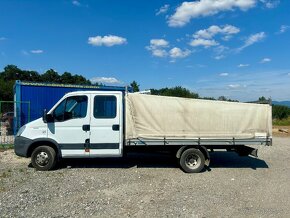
[[21, 145]]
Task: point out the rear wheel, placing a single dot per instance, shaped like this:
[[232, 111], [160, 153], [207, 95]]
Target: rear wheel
[[43, 158], [192, 160]]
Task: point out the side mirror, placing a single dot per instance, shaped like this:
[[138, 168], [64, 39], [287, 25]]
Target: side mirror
[[47, 118]]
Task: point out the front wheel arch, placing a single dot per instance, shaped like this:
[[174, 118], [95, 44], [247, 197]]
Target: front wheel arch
[[36, 144]]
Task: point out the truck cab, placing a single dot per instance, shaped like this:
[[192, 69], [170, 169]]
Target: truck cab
[[81, 124]]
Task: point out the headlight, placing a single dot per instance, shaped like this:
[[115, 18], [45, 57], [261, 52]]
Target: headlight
[[21, 130]]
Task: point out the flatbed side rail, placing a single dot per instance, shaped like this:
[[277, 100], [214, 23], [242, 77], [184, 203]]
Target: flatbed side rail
[[198, 141]]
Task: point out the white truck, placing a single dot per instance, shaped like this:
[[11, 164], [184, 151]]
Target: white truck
[[98, 124]]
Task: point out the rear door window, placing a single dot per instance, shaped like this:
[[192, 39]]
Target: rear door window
[[105, 107]]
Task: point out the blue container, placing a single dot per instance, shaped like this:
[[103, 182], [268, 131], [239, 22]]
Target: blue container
[[32, 98]]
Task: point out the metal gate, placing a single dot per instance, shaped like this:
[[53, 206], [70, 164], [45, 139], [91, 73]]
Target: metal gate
[[13, 115]]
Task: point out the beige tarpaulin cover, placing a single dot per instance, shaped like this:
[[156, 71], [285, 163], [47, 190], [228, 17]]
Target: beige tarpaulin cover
[[156, 117]]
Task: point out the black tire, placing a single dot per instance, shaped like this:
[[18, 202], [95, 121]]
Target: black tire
[[192, 160], [43, 158]]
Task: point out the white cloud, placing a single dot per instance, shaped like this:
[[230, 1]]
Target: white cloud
[[157, 47], [220, 52], [37, 51], [76, 3], [2, 38], [283, 29], [106, 80], [252, 39], [158, 43], [24, 52], [189, 10], [108, 41], [252, 85], [288, 74], [224, 74], [265, 60], [163, 9], [243, 65], [227, 37], [221, 49], [234, 86], [203, 42], [214, 30], [219, 57], [270, 3], [159, 53], [178, 53]]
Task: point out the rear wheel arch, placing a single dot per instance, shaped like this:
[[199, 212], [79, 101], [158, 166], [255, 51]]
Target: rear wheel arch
[[201, 148], [192, 160]]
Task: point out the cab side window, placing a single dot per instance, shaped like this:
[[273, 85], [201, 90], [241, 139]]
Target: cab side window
[[105, 107], [71, 108]]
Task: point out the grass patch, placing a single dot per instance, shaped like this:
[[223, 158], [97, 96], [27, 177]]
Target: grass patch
[[283, 122], [2, 189], [5, 174], [4, 147]]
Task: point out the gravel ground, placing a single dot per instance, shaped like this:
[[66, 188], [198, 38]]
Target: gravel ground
[[150, 186]]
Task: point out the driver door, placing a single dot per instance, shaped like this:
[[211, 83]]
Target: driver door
[[71, 116]]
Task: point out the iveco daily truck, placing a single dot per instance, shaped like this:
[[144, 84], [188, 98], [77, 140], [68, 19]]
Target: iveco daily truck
[[99, 124]]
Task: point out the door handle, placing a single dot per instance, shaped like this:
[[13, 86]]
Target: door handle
[[116, 127], [86, 127]]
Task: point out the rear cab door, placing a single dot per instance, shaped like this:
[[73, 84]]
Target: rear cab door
[[106, 130]]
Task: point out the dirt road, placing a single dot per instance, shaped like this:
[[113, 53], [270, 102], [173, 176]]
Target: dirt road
[[150, 186]]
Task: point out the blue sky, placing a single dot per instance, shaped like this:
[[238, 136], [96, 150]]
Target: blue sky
[[236, 48]]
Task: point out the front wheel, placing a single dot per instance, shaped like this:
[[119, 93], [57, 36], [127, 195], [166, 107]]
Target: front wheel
[[192, 160], [43, 158]]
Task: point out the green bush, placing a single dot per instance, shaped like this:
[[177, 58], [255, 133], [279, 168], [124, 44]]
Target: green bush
[[177, 91], [280, 112]]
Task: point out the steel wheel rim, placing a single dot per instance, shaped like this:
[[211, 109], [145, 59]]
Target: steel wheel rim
[[192, 161], [42, 158]]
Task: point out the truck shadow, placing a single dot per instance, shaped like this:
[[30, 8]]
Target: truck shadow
[[157, 160]]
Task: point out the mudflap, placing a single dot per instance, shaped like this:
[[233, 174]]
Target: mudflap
[[206, 155], [245, 151]]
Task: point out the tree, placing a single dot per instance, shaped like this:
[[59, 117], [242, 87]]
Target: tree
[[280, 112], [6, 90], [135, 86], [222, 98], [12, 73], [80, 80], [177, 91], [50, 76], [263, 100], [67, 78]]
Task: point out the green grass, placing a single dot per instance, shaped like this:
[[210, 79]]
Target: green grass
[[6, 146], [284, 122], [5, 174]]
